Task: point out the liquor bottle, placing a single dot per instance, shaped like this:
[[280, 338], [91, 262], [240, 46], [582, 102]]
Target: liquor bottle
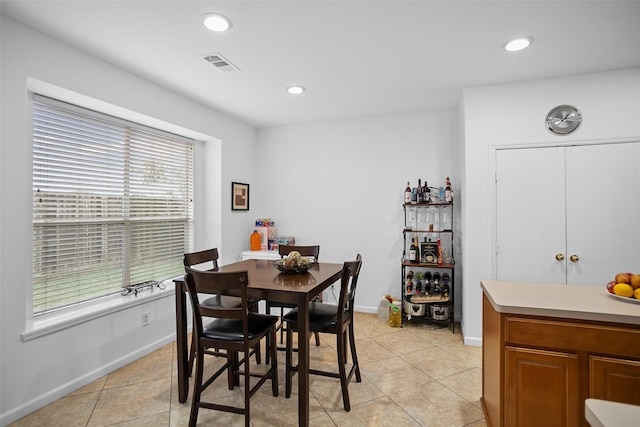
[[419, 198], [413, 252], [439, 253], [448, 193], [425, 192], [407, 193], [255, 241], [417, 245]]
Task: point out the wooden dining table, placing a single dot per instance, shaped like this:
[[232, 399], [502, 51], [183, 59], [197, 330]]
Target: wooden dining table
[[268, 283]]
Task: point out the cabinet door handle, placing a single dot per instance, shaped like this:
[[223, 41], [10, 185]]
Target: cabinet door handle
[[574, 258], [559, 257]]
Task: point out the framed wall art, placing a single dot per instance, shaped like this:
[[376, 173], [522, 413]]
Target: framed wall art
[[239, 196]]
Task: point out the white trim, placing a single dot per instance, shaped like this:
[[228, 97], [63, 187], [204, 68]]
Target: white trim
[[52, 395], [40, 326]]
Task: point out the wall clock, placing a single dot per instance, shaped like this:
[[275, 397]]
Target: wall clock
[[563, 119]]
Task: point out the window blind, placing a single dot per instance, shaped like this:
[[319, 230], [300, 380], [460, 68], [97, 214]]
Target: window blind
[[112, 204]]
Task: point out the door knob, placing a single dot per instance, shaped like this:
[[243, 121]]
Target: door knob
[[574, 258], [559, 257]]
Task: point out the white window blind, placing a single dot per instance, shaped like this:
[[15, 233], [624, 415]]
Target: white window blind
[[112, 204]]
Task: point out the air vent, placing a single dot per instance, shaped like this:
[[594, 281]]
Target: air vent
[[220, 62]]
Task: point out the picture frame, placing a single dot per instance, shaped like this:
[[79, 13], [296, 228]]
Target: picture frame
[[239, 196]]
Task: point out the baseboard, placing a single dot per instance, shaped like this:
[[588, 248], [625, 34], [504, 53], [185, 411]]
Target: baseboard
[[51, 396]]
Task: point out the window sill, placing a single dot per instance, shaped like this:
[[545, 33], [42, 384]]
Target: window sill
[[60, 320]]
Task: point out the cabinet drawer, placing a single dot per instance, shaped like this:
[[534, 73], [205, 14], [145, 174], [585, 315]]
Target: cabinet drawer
[[573, 336]]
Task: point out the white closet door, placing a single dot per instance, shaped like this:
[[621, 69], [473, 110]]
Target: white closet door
[[530, 223], [603, 211]]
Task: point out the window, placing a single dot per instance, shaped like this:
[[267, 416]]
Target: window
[[112, 204]]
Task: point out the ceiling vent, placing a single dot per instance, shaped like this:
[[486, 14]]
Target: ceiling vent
[[220, 62]]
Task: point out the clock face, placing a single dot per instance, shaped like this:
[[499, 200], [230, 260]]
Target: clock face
[[563, 119]]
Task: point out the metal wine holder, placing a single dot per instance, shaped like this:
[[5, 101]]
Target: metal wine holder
[[141, 287]]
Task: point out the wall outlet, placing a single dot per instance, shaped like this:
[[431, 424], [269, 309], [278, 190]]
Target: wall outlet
[[145, 318]]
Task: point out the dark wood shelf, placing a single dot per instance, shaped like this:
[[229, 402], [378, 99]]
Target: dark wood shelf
[[411, 264], [428, 204]]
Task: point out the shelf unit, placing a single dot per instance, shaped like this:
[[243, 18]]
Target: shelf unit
[[429, 222]]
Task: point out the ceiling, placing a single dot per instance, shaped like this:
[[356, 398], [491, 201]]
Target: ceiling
[[356, 58]]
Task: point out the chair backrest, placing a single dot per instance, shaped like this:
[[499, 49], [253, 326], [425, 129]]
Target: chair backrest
[[202, 257], [306, 251], [348, 284], [215, 283]]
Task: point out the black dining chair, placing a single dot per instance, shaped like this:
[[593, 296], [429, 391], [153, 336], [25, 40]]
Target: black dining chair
[[208, 260], [234, 329], [310, 252], [331, 319]]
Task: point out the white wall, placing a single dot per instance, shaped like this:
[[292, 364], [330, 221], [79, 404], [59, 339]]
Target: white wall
[[513, 114], [340, 184], [36, 372]]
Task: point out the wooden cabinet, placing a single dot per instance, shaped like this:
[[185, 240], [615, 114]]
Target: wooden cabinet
[[538, 371], [614, 379], [541, 388]]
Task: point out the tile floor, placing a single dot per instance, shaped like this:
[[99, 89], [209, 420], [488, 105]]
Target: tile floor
[[420, 375]]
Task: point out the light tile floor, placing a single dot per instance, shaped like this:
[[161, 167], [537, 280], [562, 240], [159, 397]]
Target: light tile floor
[[419, 375]]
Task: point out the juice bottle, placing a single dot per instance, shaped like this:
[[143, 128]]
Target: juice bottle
[[255, 241]]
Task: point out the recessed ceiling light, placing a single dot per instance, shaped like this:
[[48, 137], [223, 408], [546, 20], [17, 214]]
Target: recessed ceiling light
[[295, 90], [216, 22], [518, 43]]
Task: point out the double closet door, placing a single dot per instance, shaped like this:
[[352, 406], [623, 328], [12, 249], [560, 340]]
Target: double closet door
[[568, 214]]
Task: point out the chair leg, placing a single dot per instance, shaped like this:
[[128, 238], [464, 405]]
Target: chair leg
[[354, 355], [340, 339], [288, 363], [273, 349], [197, 390], [247, 389], [192, 352], [317, 339], [281, 323], [254, 309], [267, 349]]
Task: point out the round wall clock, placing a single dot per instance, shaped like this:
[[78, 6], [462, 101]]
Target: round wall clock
[[563, 119]]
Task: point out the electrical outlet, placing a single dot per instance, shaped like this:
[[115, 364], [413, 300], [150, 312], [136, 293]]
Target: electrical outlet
[[145, 318]]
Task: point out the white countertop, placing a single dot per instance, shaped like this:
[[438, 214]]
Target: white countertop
[[272, 255], [601, 413], [558, 300]]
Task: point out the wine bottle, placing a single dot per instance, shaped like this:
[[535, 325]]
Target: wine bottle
[[412, 252], [407, 193], [417, 245], [425, 192], [448, 193], [419, 198]]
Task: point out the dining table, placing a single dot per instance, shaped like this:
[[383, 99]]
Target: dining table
[[268, 283]]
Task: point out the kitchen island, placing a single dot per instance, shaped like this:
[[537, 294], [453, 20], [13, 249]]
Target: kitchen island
[[547, 348]]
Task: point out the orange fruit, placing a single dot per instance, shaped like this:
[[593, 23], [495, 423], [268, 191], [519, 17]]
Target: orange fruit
[[636, 293], [623, 290], [635, 281]]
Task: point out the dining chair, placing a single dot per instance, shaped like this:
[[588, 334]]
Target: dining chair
[[208, 260], [234, 329], [310, 252], [330, 319]]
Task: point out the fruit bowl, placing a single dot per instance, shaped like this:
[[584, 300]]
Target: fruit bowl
[[302, 266]]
